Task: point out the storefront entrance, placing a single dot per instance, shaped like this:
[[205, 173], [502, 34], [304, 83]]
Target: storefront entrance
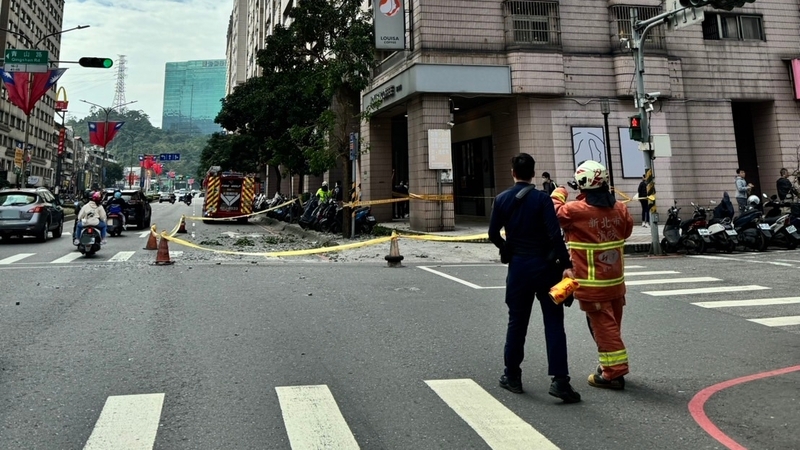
[[473, 176]]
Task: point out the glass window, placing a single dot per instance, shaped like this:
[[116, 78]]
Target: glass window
[[733, 27]]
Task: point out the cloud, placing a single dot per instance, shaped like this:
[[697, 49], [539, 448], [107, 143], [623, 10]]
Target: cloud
[[149, 33]]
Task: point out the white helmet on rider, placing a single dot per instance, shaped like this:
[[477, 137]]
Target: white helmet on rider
[[753, 200], [591, 175]]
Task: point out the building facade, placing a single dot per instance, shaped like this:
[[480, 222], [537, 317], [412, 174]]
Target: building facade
[[236, 48], [193, 91], [26, 25]]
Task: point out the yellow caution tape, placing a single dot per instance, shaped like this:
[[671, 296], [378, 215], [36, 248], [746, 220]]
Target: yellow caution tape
[[309, 251], [432, 237]]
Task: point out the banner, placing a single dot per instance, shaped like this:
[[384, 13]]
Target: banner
[[390, 24]]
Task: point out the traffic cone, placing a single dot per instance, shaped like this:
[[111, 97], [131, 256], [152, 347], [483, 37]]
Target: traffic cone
[[394, 257], [162, 257], [151, 240], [182, 228]]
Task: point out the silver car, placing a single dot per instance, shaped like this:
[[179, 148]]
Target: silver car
[[30, 212]]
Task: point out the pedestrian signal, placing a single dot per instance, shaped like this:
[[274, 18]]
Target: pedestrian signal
[[102, 63], [635, 128]]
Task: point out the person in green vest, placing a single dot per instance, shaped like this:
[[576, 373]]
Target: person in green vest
[[323, 193]]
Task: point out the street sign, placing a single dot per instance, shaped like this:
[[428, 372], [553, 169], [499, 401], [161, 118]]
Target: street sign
[[17, 60], [169, 157], [18, 158]]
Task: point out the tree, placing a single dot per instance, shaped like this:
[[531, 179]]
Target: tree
[[114, 173]]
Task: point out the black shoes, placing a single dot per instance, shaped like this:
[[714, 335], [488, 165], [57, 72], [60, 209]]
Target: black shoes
[[514, 386], [561, 388], [598, 381]]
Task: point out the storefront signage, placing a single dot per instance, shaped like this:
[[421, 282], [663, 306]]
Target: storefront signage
[[390, 24]]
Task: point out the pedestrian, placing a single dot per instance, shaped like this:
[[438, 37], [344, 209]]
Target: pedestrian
[[531, 232], [548, 185], [644, 201], [402, 207], [743, 188], [595, 227], [338, 193], [784, 185]]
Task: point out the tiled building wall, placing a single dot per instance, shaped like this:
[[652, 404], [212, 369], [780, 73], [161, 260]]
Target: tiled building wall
[[375, 165]]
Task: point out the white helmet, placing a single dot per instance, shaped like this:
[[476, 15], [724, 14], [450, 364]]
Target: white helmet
[[753, 200], [325, 183], [591, 175]]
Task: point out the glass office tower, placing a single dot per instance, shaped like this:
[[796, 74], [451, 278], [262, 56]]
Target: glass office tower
[[192, 94]]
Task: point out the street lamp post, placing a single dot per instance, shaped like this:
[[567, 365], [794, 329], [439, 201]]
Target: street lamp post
[[107, 111], [606, 109]]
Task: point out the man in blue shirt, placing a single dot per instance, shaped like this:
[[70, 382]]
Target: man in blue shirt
[[532, 233]]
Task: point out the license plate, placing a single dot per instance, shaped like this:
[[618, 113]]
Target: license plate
[[9, 214], [370, 219], [764, 226], [731, 232], [703, 232], [791, 229]]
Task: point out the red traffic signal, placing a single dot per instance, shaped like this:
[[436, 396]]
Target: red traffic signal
[[635, 129], [636, 122]]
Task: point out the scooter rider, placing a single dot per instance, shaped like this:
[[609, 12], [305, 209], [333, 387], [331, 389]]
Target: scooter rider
[[92, 214], [117, 206]]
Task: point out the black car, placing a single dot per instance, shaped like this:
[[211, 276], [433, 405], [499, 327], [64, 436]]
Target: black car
[[138, 212], [30, 212]]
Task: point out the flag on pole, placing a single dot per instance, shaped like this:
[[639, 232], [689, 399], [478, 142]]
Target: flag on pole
[[18, 88], [101, 133]]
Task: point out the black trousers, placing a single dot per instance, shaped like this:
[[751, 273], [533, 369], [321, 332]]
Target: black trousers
[[645, 210], [529, 276]]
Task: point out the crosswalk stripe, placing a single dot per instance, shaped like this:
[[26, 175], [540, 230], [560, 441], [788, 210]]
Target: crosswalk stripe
[[313, 419], [634, 267], [121, 256], [755, 302], [500, 428], [68, 258], [127, 421], [778, 321], [705, 290], [15, 258], [144, 234], [652, 272], [671, 281]]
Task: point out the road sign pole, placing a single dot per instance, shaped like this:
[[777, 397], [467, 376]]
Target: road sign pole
[[25, 154]]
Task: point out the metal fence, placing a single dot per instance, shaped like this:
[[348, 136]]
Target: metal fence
[[533, 23], [621, 16]]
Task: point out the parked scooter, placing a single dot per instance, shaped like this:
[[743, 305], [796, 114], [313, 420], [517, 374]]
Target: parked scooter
[[784, 234], [753, 233], [683, 234], [723, 236]]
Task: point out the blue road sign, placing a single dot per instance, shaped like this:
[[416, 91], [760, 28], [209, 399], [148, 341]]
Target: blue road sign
[[169, 157]]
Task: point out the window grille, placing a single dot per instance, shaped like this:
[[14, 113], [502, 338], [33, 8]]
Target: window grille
[[733, 27], [621, 17], [530, 22]]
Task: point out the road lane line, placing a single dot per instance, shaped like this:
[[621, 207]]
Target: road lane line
[[68, 258], [121, 256], [450, 277], [127, 421], [671, 281], [754, 261], [144, 234], [313, 419], [499, 427], [706, 290], [652, 272], [634, 267], [784, 321], [15, 258], [755, 302]]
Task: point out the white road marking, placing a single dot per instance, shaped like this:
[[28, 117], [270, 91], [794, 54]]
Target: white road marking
[[175, 254], [450, 277], [778, 321], [671, 281], [500, 428], [127, 421], [652, 272], [789, 260], [121, 256], [313, 419], [706, 290], [753, 261], [634, 267], [144, 234], [68, 258], [15, 258], [755, 302]]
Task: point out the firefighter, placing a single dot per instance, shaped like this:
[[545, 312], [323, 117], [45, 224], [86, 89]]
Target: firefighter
[[595, 227]]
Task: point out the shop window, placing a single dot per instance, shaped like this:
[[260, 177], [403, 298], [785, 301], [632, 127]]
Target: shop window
[[532, 23], [621, 25], [736, 27]]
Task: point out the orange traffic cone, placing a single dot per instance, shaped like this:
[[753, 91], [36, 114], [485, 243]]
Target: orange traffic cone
[[182, 228], [151, 240], [162, 258], [394, 257]]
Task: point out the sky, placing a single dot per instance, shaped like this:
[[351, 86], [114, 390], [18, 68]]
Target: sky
[[149, 33]]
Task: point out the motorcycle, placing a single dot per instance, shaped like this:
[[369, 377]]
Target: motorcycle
[[723, 236], [753, 233], [365, 221], [684, 234], [89, 240], [114, 224], [784, 234], [187, 199]]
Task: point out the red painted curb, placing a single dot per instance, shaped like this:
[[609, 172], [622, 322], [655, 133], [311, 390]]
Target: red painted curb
[[699, 400]]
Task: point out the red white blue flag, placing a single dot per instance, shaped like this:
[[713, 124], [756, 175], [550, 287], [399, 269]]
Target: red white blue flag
[[101, 133], [19, 84]]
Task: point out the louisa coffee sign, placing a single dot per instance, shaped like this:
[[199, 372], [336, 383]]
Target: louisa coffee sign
[[390, 24]]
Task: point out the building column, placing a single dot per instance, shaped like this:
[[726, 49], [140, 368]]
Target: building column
[[375, 166], [427, 112]]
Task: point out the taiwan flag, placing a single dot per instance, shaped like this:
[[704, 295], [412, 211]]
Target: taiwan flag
[[17, 84], [101, 133]]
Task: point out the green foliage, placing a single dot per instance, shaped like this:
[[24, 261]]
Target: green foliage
[[114, 172]]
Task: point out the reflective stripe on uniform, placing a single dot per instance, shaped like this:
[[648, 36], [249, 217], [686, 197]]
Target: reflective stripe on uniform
[[616, 358], [590, 280], [600, 283], [559, 196]]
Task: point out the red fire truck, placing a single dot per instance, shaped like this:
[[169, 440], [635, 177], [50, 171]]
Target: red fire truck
[[228, 194]]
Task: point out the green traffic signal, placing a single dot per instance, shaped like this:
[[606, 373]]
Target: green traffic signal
[[102, 63]]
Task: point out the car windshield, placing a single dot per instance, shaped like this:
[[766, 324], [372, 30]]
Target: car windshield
[[17, 199]]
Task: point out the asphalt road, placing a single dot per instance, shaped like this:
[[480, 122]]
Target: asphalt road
[[222, 352]]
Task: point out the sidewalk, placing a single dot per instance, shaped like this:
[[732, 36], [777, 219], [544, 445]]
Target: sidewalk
[[639, 242]]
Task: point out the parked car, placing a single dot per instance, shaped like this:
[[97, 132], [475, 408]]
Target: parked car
[[30, 212], [166, 197], [139, 212]]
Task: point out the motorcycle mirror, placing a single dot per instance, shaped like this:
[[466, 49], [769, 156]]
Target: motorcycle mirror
[[712, 202], [692, 203], [764, 195]]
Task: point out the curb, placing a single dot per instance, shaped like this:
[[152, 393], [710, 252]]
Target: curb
[[636, 248]]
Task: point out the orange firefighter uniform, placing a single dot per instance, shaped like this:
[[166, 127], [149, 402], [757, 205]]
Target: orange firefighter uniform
[[596, 238]]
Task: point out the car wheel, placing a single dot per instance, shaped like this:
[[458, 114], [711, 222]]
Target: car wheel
[[42, 236], [59, 230], [159, 201], [149, 218]]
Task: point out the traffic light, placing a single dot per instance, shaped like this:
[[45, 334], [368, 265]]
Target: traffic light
[[102, 63], [635, 127], [727, 5]]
